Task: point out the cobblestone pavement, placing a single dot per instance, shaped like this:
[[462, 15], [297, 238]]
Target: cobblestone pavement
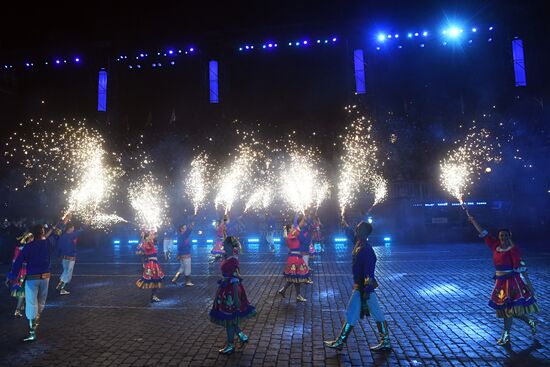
[[435, 299]]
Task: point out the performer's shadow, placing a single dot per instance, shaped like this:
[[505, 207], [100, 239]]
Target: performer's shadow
[[523, 358]]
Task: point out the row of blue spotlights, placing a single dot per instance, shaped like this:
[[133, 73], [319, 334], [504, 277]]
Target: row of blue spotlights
[[298, 43], [167, 53], [55, 62], [248, 240]]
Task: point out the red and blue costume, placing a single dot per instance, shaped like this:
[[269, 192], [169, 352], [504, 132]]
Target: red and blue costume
[[152, 273], [296, 270], [510, 296], [230, 304]]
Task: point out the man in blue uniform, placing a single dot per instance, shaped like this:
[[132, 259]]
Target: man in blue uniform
[[36, 255], [363, 300], [184, 254], [67, 251]]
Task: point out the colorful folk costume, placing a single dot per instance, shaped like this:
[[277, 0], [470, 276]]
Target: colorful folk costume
[[18, 285], [513, 295], [363, 301], [231, 304], [36, 255], [152, 273], [67, 251], [221, 234], [184, 254], [296, 270]]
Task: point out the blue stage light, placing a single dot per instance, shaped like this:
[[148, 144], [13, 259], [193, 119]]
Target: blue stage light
[[240, 48], [305, 42], [396, 35], [247, 47], [389, 35], [424, 33], [57, 62], [263, 46], [277, 239], [171, 52], [491, 28], [133, 241], [387, 239], [410, 35], [334, 39], [27, 64], [297, 43], [378, 48], [172, 62], [474, 29], [454, 32], [416, 34], [194, 241], [116, 242], [270, 45], [318, 41], [209, 241], [290, 43], [76, 59], [381, 37], [253, 240], [193, 50], [275, 45], [340, 239]]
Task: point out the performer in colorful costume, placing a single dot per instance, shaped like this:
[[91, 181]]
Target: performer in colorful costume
[[221, 234], [18, 285], [230, 303], [67, 250], [296, 270], [513, 295], [184, 254], [36, 255], [363, 301], [152, 272]]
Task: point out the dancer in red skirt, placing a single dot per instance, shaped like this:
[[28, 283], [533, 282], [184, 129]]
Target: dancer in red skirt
[[296, 270], [513, 295], [231, 304], [152, 272]]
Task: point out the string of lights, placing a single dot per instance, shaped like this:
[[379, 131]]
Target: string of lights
[[450, 35]]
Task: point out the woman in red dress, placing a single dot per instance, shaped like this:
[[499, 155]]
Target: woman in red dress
[[296, 270], [152, 272], [513, 295], [231, 304]]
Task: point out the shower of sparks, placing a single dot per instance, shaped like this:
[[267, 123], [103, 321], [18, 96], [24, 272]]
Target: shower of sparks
[[50, 151], [261, 198], [197, 184], [380, 189], [358, 164], [149, 202], [235, 178], [464, 164], [299, 177], [95, 183], [322, 190]]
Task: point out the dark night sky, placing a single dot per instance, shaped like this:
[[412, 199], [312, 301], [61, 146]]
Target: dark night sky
[[64, 24]]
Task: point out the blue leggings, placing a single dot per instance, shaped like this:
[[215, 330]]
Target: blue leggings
[[354, 308]]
